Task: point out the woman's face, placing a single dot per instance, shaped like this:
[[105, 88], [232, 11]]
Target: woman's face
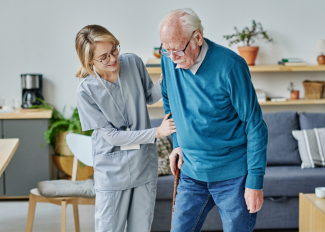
[[105, 57]]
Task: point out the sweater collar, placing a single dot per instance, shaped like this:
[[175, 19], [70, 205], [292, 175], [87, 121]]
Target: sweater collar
[[195, 67]]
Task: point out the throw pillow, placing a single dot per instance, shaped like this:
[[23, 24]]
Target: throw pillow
[[164, 150], [311, 144]]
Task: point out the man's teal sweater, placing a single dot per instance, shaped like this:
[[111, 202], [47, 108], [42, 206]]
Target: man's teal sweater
[[219, 122]]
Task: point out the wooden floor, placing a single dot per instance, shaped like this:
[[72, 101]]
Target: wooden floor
[[13, 215]]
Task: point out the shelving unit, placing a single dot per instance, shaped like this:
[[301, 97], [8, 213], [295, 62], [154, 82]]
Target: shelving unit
[[265, 68], [295, 102], [269, 103]]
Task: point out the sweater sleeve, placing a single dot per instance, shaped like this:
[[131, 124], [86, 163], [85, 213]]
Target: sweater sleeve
[[164, 94], [244, 100], [120, 138]]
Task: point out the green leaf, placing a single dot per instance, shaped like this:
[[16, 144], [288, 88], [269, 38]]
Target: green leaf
[[247, 34], [58, 123]]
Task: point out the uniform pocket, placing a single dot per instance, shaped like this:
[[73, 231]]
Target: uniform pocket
[[111, 170], [104, 211]]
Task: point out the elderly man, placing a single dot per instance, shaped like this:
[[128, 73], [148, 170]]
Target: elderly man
[[221, 135]]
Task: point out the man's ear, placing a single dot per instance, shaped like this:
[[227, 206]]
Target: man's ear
[[199, 37]]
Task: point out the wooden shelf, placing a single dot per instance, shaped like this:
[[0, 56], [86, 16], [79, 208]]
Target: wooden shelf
[[295, 102], [281, 68], [269, 103], [265, 68], [156, 105], [27, 114]]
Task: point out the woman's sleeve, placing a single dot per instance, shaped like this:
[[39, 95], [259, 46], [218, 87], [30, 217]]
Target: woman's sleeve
[[151, 91], [121, 138], [91, 117]]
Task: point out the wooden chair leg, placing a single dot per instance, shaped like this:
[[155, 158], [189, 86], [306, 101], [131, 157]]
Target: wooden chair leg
[[76, 217], [63, 215], [31, 213]]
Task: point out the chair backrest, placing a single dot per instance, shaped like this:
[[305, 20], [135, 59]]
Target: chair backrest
[[81, 148]]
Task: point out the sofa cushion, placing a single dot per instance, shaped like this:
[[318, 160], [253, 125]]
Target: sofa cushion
[[311, 120], [156, 123], [282, 148], [279, 181], [164, 150], [291, 180], [67, 188], [165, 187], [311, 147]]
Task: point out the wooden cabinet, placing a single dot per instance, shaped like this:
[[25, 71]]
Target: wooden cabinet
[[31, 162], [1, 186], [2, 176]]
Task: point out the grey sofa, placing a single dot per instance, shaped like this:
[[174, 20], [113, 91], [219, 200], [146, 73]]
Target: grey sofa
[[284, 178]]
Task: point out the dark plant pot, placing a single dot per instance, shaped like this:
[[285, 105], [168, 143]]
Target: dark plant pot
[[294, 94], [249, 54]]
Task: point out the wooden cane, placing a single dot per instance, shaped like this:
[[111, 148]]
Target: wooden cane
[[175, 188]]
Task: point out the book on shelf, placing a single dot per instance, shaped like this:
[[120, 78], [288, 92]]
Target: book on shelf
[[277, 99], [295, 60], [292, 63], [153, 65]]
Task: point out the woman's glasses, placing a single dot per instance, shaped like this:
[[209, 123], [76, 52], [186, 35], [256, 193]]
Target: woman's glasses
[[107, 58]]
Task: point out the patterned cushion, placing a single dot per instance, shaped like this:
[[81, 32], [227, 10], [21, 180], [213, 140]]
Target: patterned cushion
[[164, 150], [311, 144]]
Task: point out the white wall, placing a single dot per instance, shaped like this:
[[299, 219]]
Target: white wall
[[38, 36]]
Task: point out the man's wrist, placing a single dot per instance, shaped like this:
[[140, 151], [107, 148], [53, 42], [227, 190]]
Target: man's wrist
[[255, 189]]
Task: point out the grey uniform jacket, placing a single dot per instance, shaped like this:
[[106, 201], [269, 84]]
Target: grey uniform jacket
[[115, 169]]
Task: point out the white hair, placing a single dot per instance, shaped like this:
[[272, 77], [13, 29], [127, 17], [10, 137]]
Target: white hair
[[188, 19]]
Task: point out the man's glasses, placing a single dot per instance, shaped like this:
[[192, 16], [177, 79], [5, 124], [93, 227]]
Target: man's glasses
[[178, 52], [107, 58]]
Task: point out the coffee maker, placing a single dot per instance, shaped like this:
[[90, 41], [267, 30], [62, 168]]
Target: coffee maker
[[32, 86]]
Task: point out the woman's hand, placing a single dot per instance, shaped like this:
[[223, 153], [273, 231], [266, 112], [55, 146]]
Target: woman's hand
[[166, 128]]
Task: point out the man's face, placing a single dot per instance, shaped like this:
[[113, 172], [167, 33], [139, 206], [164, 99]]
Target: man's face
[[172, 39]]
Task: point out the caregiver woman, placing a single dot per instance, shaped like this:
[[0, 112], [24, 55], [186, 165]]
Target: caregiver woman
[[112, 99]]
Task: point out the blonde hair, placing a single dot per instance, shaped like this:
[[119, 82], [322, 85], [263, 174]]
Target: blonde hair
[[86, 40]]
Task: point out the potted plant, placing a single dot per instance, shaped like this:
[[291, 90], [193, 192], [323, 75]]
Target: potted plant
[[246, 36], [59, 127], [294, 94]]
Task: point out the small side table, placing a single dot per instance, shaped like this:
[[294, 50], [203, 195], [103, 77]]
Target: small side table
[[311, 213]]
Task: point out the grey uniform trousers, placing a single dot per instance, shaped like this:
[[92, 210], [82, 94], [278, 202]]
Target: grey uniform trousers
[[134, 206]]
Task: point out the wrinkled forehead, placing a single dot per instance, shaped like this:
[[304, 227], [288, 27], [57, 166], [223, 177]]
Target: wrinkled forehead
[[172, 37]]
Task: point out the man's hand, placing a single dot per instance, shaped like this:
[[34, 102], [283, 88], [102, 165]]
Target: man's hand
[[254, 199], [172, 159]]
